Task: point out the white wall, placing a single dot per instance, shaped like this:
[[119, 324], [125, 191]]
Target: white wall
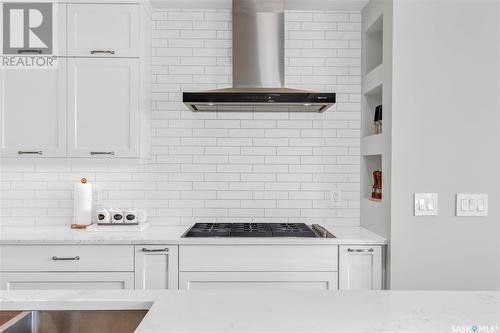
[[445, 140], [226, 166]]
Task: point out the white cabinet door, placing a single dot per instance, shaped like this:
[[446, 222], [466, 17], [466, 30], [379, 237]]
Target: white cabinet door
[[103, 30], [156, 267], [103, 107], [33, 111], [259, 280], [35, 281], [360, 267]]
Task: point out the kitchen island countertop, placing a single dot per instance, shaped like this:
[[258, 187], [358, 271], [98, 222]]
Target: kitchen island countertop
[[34, 235], [281, 311]]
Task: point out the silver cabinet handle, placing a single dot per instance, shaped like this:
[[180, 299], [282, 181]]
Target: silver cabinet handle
[[359, 250], [25, 152], [29, 51], [154, 250], [65, 258], [102, 153], [102, 51]]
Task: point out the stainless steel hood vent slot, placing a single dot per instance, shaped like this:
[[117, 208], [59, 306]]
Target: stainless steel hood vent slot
[[258, 67]]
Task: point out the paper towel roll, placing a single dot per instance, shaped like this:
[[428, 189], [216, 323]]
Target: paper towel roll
[[83, 202]]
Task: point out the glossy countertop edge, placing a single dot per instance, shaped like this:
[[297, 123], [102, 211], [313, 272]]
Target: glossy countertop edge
[[382, 311], [38, 235]]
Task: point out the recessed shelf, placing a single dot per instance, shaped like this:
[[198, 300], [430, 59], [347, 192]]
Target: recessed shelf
[[374, 42], [372, 145], [373, 80], [369, 164]]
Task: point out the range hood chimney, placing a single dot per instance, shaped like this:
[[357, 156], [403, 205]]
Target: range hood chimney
[[258, 67]]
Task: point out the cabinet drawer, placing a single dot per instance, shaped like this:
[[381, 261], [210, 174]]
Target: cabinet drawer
[[105, 258], [259, 280], [270, 258]]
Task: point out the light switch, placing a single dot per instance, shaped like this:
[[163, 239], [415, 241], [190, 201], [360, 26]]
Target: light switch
[[430, 204], [472, 204], [426, 204], [464, 204], [421, 204]]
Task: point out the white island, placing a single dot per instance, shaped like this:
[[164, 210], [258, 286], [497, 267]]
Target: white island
[[281, 311]]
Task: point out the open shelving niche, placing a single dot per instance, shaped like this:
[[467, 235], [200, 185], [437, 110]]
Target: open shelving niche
[[376, 71], [372, 144]]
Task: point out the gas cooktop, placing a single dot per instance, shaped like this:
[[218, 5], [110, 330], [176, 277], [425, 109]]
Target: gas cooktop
[[256, 230]]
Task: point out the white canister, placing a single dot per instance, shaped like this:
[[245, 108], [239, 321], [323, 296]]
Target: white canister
[[130, 215], [116, 215], [102, 215]]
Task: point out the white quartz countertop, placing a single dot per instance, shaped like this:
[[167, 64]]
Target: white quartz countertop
[[281, 311], [170, 235]]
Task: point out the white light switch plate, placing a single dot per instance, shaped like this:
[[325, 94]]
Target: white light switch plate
[[426, 204], [472, 204]]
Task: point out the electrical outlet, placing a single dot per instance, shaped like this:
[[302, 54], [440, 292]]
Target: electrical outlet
[[336, 198]]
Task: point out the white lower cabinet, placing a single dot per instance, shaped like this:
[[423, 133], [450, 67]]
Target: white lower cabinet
[[66, 280], [360, 267], [156, 267], [258, 280], [258, 267], [253, 267], [66, 267]]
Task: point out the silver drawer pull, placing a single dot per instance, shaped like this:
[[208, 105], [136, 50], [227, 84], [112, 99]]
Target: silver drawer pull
[[102, 51], [25, 152], [359, 250], [154, 250], [102, 153], [65, 258]]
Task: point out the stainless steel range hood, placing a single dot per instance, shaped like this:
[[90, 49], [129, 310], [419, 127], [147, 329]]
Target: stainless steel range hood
[[258, 67]]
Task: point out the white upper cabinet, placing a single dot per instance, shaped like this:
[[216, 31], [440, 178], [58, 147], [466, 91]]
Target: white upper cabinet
[[103, 107], [33, 111], [103, 30], [360, 267]]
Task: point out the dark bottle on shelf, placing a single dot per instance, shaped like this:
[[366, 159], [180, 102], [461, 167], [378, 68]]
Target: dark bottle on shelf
[[377, 121], [377, 185]]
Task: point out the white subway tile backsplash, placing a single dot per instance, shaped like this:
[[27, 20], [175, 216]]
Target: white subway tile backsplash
[[226, 167]]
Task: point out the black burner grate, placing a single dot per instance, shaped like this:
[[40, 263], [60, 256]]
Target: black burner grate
[[250, 230], [209, 230]]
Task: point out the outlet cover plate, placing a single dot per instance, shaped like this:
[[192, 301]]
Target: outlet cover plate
[[336, 198]]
